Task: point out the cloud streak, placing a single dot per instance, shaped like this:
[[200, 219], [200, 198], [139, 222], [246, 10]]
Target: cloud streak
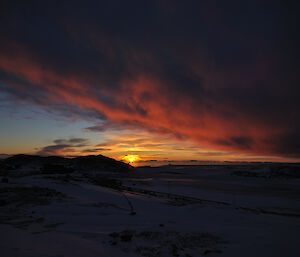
[[219, 75], [64, 146]]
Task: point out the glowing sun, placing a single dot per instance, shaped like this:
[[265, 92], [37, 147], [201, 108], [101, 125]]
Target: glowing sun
[[131, 158]]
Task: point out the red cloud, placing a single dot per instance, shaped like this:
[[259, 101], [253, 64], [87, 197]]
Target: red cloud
[[225, 89], [147, 102]]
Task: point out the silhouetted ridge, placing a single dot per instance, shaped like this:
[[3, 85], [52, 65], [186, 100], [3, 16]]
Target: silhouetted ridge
[[23, 164], [92, 162]]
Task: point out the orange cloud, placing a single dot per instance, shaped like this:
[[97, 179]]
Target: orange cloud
[[147, 102], [224, 93]]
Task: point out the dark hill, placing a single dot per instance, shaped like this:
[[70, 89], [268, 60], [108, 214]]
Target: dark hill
[[24, 164]]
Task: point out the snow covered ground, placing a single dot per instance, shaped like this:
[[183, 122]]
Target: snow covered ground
[[163, 211]]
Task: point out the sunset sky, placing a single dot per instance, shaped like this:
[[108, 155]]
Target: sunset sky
[[153, 80]]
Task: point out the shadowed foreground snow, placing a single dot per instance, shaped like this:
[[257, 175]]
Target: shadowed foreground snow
[[165, 211]]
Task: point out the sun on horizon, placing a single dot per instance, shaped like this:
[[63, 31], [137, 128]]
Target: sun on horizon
[[131, 158]]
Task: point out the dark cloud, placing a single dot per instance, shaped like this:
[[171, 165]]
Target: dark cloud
[[107, 144], [238, 142], [55, 150], [221, 73], [77, 142], [63, 146], [104, 126], [96, 128], [95, 150]]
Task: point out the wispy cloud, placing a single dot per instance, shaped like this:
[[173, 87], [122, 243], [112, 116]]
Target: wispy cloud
[[64, 146]]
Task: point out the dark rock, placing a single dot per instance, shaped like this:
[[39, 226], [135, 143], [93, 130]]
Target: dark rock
[[114, 234], [126, 236]]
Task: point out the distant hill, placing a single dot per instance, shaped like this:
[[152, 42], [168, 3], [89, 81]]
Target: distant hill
[[22, 164]]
